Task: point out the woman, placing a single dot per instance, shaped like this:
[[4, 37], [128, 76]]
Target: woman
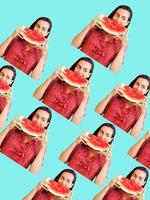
[[23, 148], [111, 192], [8, 75], [25, 56], [67, 177], [123, 113], [90, 163], [141, 150], [102, 46], [67, 100]]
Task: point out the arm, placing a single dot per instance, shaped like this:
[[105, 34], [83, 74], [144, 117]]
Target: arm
[[135, 148], [118, 61], [5, 112], [36, 73], [5, 44], [103, 173], [102, 193], [32, 193], [66, 153], [37, 163], [139, 124], [79, 114], [41, 89], [4, 133], [77, 41]]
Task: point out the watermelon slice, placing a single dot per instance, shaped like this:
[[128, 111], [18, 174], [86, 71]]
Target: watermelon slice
[[32, 36], [73, 78], [4, 88], [32, 126], [95, 142], [132, 94], [111, 26], [130, 185], [58, 189]]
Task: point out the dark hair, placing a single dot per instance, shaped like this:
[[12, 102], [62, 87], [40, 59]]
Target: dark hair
[[142, 169], [144, 77], [68, 171], [10, 68], [41, 108], [125, 8], [108, 125], [44, 19], [87, 60]]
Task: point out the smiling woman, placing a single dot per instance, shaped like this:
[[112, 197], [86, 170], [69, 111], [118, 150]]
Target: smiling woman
[[24, 55], [123, 112], [68, 100], [67, 177], [138, 176], [103, 46], [7, 78], [24, 147]]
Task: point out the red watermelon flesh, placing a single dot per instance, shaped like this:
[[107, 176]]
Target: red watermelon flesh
[[130, 185], [34, 35], [59, 187], [97, 141], [113, 25], [33, 126], [4, 86], [75, 77], [133, 93]]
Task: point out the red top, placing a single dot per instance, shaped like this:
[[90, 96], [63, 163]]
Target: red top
[[87, 162], [122, 112], [15, 147], [96, 46], [57, 97], [18, 54], [42, 194], [117, 194], [143, 155], [2, 102]]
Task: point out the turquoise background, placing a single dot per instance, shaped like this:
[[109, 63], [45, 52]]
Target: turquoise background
[[69, 18]]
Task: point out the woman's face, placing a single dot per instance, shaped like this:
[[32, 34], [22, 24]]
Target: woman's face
[[84, 68], [122, 16], [106, 133], [67, 179], [7, 76], [42, 27], [41, 117], [138, 177], [141, 84]]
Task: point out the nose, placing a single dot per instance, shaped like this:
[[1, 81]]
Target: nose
[[38, 121], [4, 78]]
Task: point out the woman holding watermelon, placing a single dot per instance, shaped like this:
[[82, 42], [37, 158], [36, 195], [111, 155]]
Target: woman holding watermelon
[[23, 147], [102, 45], [67, 177], [86, 160], [125, 112], [138, 175], [68, 100], [7, 78], [141, 150], [23, 54]]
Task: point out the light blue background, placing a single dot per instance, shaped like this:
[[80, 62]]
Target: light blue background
[[69, 18]]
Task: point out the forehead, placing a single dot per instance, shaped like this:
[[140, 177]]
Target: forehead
[[42, 113], [140, 173], [85, 64], [123, 12], [7, 72], [43, 23], [107, 129], [67, 175], [142, 81]]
